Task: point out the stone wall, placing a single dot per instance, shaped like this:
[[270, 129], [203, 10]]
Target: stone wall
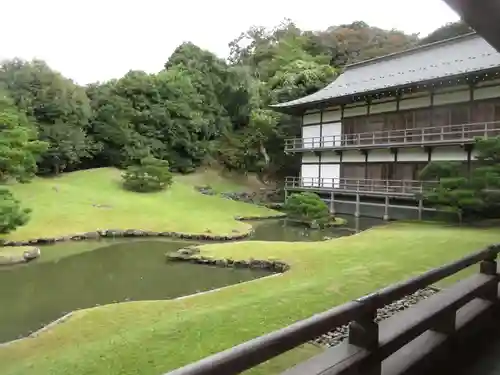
[[191, 254]]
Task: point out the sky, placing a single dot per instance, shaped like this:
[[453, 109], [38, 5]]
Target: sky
[[96, 40]]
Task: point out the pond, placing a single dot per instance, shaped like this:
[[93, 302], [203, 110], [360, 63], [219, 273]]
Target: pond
[[76, 275]]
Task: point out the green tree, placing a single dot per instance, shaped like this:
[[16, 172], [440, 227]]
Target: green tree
[[150, 175], [19, 147], [12, 215], [308, 208]]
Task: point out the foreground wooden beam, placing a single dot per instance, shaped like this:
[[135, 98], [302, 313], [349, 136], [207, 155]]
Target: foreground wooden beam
[[482, 15], [396, 345]]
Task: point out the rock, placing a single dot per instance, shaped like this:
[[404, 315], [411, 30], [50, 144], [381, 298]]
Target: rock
[[134, 233], [112, 233], [189, 250], [31, 254], [338, 335], [91, 235]]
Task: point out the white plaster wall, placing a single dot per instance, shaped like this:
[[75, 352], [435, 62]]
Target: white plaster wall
[[330, 174], [332, 116], [383, 155], [353, 157], [355, 111], [411, 103], [413, 154], [383, 107], [332, 133], [330, 157], [310, 157], [448, 154], [312, 118], [452, 97], [309, 174], [486, 92], [309, 132]]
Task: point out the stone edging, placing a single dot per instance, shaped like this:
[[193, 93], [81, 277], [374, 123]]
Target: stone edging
[[191, 254], [27, 256], [338, 335], [113, 233]]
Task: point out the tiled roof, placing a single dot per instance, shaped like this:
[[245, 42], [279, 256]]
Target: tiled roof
[[460, 55]]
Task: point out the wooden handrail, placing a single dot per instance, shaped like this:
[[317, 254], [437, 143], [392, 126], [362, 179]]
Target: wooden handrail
[[364, 342], [405, 187], [436, 134]]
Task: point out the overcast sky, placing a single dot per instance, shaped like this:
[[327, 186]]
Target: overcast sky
[[100, 39]]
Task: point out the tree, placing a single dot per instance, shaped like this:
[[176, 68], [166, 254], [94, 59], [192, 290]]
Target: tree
[[467, 194], [11, 213], [447, 31], [308, 208], [151, 175], [19, 147]]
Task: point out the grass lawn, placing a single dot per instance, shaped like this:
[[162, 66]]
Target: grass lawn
[[93, 199], [154, 337]]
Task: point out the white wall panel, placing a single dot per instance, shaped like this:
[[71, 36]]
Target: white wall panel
[[452, 97], [331, 134], [413, 154], [487, 92], [310, 157], [384, 155], [309, 132], [383, 107], [353, 157], [312, 118], [330, 174], [411, 103], [330, 157], [448, 154], [309, 174], [355, 111], [332, 116]]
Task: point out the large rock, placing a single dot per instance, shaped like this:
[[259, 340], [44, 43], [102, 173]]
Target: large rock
[[31, 254]]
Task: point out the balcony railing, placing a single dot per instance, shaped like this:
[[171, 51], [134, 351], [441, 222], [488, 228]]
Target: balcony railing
[[393, 187], [451, 134]]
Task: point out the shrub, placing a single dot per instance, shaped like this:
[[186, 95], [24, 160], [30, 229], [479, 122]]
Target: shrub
[[11, 213], [150, 175], [308, 208]]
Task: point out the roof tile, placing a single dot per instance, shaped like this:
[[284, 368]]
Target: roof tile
[[460, 55]]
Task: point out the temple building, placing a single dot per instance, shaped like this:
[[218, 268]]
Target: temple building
[[373, 129]]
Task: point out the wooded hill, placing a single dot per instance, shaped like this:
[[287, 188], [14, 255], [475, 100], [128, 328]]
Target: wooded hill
[[198, 109]]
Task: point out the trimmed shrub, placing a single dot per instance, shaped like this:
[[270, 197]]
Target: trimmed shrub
[[308, 208], [11, 213], [150, 175]]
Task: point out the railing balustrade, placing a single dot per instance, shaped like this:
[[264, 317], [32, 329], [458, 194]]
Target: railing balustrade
[[405, 137], [371, 346], [399, 187]]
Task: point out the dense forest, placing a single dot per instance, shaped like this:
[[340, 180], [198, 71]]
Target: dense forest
[[198, 110]]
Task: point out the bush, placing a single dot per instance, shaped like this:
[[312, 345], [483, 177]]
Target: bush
[[307, 208], [11, 213], [151, 175]]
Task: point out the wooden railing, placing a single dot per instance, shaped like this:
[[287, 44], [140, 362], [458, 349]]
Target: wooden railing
[[397, 187], [370, 345], [451, 134]]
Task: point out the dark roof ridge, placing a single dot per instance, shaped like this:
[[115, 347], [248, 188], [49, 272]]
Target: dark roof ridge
[[408, 51]]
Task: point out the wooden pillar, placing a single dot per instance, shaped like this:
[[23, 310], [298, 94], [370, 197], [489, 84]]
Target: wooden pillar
[[386, 209], [366, 164], [420, 208], [332, 203], [357, 211], [286, 195], [364, 333]]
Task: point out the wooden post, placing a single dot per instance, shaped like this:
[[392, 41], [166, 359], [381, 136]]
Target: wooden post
[[286, 195], [420, 208], [386, 208], [364, 332], [332, 203], [357, 212], [489, 267]]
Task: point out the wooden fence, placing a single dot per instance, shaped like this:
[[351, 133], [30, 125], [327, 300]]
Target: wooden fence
[[370, 345]]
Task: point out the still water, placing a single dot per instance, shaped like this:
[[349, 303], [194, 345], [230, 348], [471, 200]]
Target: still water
[[70, 277]]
